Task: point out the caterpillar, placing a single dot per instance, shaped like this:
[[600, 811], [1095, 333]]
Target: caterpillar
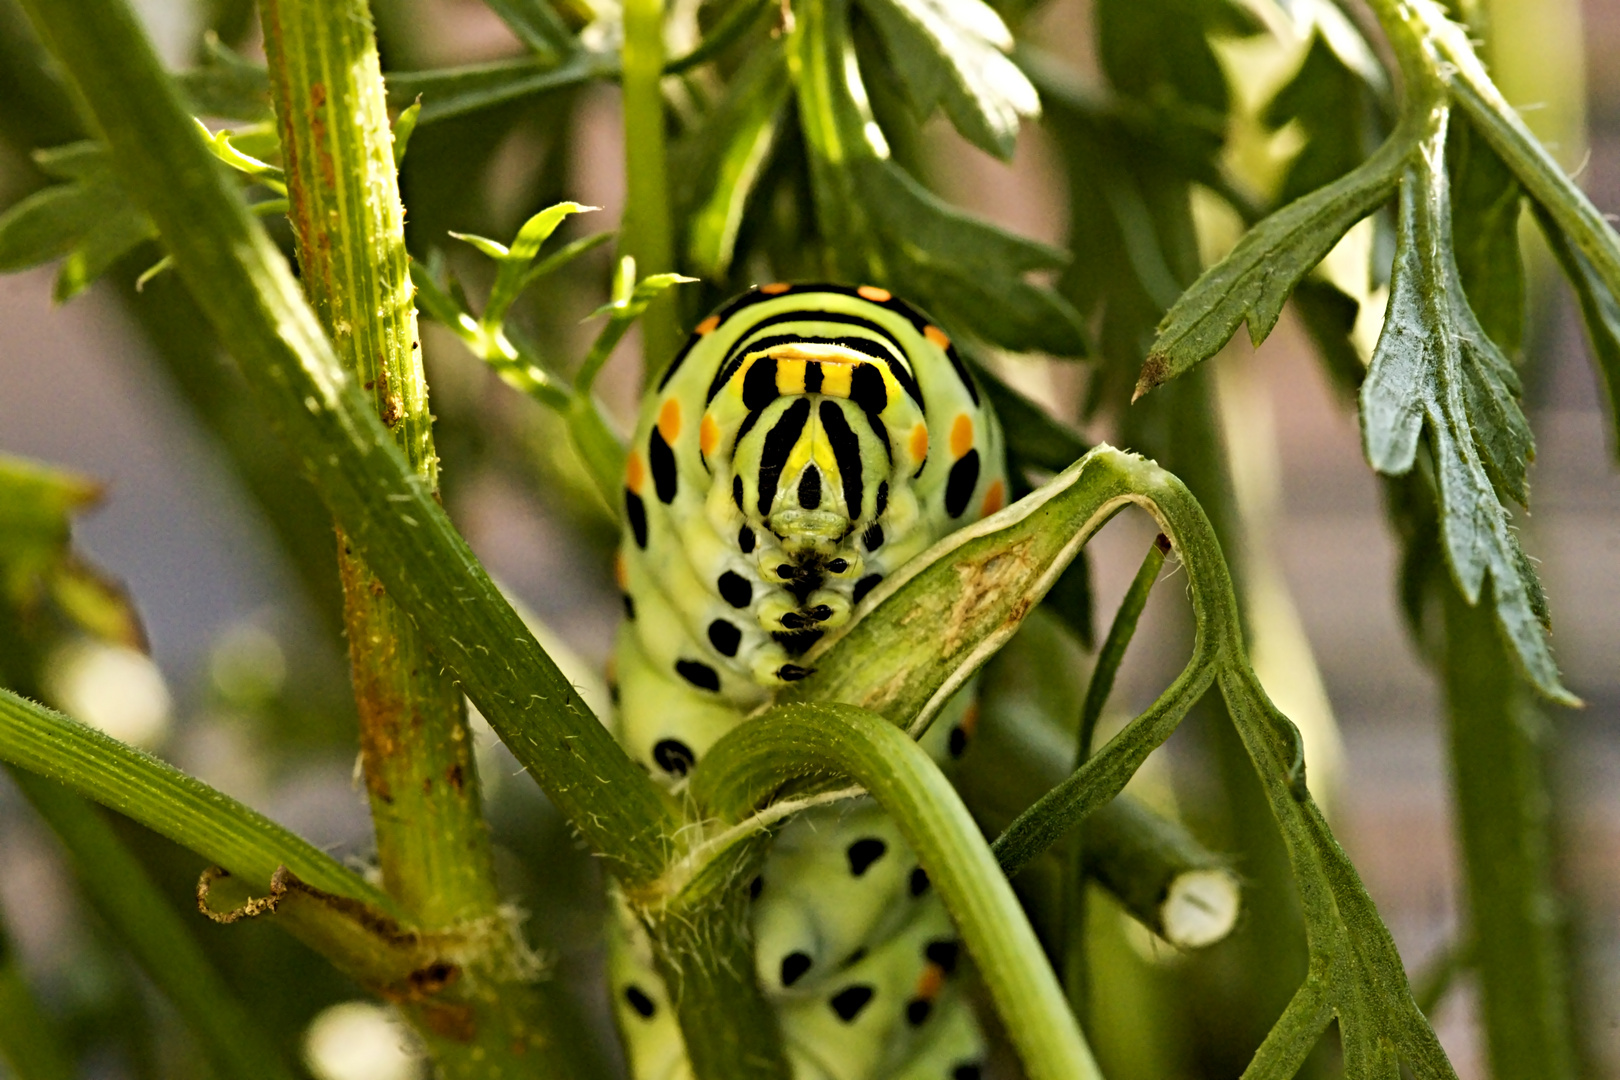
[[805, 442]]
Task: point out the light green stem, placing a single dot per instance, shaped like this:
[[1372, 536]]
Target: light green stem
[[649, 234], [797, 742]]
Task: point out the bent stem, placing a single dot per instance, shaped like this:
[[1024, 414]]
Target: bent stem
[[746, 768]]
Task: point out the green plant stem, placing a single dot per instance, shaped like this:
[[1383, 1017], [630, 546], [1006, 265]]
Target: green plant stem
[[167, 801], [29, 1045], [416, 749], [1498, 781], [391, 518], [1101, 684], [747, 767], [648, 231], [119, 889], [326, 85], [1114, 645]]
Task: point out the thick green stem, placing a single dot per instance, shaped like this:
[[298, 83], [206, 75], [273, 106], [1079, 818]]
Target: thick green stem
[[1499, 783], [124, 896], [243, 285], [167, 801], [746, 768], [433, 845], [326, 83], [649, 234]]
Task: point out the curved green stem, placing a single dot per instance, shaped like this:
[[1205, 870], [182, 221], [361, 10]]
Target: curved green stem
[[167, 801], [746, 768]]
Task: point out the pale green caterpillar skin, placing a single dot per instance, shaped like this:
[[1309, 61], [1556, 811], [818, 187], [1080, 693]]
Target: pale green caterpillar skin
[[806, 442]]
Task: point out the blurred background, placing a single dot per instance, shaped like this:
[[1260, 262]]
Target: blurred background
[[249, 687]]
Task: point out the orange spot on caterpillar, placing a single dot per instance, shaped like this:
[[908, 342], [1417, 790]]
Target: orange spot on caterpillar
[[874, 294], [708, 435], [669, 421], [635, 473], [930, 982], [706, 326], [775, 288], [919, 442], [937, 336], [621, 573], [961, 435], [994, 499]]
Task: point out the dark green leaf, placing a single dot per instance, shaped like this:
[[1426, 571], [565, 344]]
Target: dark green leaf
[[1485, 203], [953, 262], [1434, 371], [226, 85], [115, 236], [1336, 111], [1035, 437], [1253, 282], [1601, 311], [86, 161], [50, 223], [954, 52], [537, 25], [448, 92], [722, 163]]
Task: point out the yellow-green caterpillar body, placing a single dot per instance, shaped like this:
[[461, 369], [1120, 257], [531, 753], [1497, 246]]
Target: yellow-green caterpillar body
[[805, 442]]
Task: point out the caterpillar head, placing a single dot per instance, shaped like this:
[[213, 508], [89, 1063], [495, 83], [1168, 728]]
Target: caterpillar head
[[818, 440]]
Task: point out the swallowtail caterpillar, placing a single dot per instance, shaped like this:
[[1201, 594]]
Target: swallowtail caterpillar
[[805, 442]]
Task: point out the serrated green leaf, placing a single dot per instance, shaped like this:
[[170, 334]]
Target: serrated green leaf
[[721, 164], [1600, 310], [1254, 280], [536, 24], [954, 52], [1435, 373], [448, 92]]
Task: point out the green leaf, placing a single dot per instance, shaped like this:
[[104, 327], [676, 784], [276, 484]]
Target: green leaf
[[514, 261], [953, 262], [404, 126], [955, 51], [1600, 309], [1436, 371], [448, 92], [564, 255], [121, 230], [1485, 202], [86, 160], [48, 224], [1254, 280], [223, 147], [493, 248], [1336, 110], [718, 168], [226, 85], [537, 25]]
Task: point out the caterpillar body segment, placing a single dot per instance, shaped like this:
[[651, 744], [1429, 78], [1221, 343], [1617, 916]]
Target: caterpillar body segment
[[805, 442]]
